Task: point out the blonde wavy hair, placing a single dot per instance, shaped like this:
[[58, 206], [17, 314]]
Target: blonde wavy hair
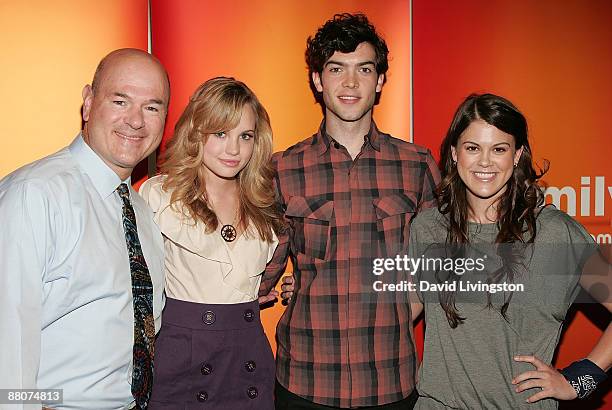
[[217, 106]]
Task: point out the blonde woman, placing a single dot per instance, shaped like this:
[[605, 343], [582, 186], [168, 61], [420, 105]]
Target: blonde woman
[[214, 204]]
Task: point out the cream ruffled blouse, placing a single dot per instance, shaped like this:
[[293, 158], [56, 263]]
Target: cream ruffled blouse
[[199, 266]]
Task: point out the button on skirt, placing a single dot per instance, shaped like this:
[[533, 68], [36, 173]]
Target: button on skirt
[[212, 357]]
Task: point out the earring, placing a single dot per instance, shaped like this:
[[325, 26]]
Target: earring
[[455, 163], [515, 164]]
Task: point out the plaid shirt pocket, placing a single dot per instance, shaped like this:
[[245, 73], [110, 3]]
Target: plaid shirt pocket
[[310, 218], [393, 215]]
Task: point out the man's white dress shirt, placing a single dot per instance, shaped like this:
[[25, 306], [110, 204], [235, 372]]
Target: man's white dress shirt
[[66, 315]]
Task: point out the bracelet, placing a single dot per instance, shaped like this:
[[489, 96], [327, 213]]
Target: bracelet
[[584, 376]]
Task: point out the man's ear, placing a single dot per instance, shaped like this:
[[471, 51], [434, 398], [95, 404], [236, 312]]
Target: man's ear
[[316, 80], [380, 83], [87, 101]]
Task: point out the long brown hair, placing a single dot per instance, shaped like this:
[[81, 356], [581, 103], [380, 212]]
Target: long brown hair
[[516, 208], [217, 106]]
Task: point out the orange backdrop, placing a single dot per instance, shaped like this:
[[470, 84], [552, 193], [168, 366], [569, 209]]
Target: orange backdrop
[[50, 50], [554, 60], [262, 43]]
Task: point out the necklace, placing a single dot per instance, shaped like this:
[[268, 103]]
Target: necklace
[[228, 231]]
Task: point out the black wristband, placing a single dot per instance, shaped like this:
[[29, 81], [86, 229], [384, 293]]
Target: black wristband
[[584, 376]]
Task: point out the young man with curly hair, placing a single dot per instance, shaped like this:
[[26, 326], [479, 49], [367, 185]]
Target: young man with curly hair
[[348, 194]]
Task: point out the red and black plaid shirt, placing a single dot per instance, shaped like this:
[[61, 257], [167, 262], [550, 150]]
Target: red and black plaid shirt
[[340, 343]]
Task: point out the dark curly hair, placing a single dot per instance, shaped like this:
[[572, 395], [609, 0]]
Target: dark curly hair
[[343, 33], [516, 208]]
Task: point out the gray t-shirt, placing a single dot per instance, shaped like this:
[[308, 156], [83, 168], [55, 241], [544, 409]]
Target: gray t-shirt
[[472, 366]]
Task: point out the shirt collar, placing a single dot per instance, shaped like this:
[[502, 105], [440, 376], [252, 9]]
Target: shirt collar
[[322, 139], [104, 179]]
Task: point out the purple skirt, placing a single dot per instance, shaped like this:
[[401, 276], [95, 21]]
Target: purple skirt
[[212, 357]]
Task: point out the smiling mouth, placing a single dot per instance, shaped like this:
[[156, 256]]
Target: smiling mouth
[[129, 137], [350, 99], [484, 176]]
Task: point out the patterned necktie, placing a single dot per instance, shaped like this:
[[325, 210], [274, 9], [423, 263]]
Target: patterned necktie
[[142, 292]]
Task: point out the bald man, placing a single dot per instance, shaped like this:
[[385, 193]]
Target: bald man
[[81, 266]]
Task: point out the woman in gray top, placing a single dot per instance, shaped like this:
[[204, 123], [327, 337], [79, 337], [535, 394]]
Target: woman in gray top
[[508, 269]]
